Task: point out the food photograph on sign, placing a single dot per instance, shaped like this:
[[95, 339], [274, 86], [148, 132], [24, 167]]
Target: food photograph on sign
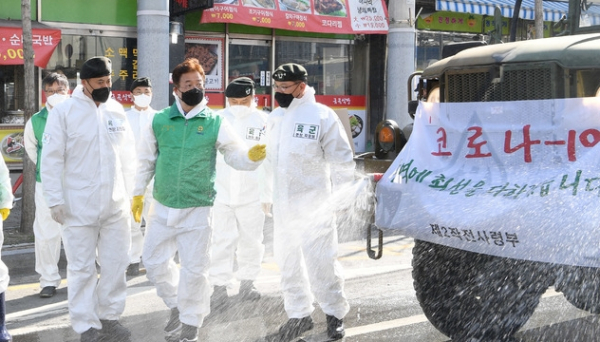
[[336, 8], [301, 6], [209, 53], [12, 146], [269, 4]]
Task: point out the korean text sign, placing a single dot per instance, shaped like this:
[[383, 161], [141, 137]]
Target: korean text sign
[[324, 16], [11, 45], [514, 179]]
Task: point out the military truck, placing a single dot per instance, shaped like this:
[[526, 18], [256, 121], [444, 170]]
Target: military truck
[[499, 181]]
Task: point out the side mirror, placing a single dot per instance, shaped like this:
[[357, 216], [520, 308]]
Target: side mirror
[[412, 108]]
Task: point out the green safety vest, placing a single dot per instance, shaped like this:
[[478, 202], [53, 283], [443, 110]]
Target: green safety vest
[[38, 122], [185, 166]]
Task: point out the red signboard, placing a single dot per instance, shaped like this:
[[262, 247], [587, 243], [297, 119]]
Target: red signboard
[[323, 16], [11, 45]]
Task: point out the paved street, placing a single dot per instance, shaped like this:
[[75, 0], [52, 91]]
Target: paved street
[[383, 307], [383, 303]]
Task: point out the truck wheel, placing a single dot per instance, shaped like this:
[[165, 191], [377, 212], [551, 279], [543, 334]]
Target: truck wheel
[[468, 295], [580, 286]]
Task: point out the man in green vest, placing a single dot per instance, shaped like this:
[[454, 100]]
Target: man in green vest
[[45, 229], [179, 149]]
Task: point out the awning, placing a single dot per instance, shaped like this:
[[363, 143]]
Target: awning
[[553, 10], [45, 40]]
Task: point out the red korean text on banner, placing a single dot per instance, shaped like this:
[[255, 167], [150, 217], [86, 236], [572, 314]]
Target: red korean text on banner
[[11, 45], [323, 16]]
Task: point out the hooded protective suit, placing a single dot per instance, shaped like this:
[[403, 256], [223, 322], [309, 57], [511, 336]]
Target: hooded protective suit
[[310, 156], [87, 168], [6, 201], [179, 215], [47, 232], [237, 215], [139, 121]]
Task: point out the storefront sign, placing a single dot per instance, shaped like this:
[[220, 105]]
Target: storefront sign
[[11, 45], [12, 145], [356, 106], [209, 52], [323, 16]]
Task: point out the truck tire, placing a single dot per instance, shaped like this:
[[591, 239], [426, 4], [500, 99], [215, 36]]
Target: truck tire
[[468, 295], [580, 286]]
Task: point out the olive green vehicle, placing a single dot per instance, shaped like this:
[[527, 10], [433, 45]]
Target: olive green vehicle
[[478, 296]]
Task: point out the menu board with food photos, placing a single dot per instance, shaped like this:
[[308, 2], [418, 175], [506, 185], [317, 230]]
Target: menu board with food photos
[[209, 52], [323, 16]]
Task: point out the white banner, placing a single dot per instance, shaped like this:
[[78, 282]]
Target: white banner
[[515, 179]]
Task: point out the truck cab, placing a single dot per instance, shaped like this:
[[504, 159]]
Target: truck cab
[[497, 181]]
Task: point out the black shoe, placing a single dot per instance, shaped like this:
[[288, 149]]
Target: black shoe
[[248, 291], [294, 327], [91, 335], [219, 299], [112, 330], [48, 291], [133, 270], [189, 333], [335, 327], [173, 326]]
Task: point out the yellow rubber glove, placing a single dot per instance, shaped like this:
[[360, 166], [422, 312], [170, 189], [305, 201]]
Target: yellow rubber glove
[[137, 206], [4, 212], [257, 152]]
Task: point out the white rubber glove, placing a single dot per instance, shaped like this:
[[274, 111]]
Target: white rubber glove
[[58, 213], [266, 208]]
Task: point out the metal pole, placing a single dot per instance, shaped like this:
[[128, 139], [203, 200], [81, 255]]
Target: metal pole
[[152, 42], [401, 59], [539, 19]]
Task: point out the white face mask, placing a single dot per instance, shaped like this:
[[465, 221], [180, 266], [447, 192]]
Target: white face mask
[[239, 110], [55, 99], [142, 100]]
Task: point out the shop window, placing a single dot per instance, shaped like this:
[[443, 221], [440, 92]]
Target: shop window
[[74, 50], [251, 58], [328, 65]]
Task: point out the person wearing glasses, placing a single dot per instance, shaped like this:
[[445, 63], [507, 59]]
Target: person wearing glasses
[[310, 157], [46, 231], [86, 175], [139, 116], [179, 150]]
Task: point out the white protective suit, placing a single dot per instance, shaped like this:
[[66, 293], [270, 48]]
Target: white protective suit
[[238, 218], [6, 201], [139, 120], [310, 156], [87, 158], [45, 229], [185, 231]]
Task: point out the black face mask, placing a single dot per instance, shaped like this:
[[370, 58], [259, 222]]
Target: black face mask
[[284, 100], [100, 94], [192, 97]]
